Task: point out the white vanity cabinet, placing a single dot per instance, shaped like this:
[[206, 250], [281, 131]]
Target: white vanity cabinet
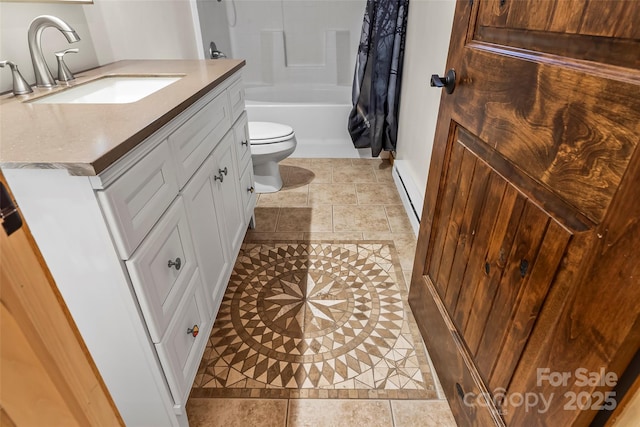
[[243, 150], [142, 253]]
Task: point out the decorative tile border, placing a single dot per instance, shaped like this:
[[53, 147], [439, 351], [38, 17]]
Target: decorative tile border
[[316, 319]]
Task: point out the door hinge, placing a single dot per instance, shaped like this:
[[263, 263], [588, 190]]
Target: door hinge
[[9, 214]]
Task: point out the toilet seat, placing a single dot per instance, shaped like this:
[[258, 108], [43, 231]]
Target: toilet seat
[[261, 133]]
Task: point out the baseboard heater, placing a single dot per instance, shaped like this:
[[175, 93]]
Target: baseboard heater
[[409, 194]]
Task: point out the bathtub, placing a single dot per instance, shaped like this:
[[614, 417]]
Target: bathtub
[[317, 114]]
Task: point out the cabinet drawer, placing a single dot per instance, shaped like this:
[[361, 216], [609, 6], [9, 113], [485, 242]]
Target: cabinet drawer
[[248, 192], [161, 268], [192, 142], [236, 97], [180, 352], [136, 200], [242, 141]]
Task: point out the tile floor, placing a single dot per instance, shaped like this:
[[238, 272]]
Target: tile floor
[[318, 319], [326, 199]]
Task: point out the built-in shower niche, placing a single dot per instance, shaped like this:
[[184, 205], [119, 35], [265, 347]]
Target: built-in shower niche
[[282, 64]]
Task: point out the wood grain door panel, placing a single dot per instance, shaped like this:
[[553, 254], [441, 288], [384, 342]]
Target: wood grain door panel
[[571, 139], [495, 255], [606, 32]]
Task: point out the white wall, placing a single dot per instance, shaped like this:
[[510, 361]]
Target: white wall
[[14, 23], [149, 29], [300, 41], [214, 24], [428, 33], [110, 30]]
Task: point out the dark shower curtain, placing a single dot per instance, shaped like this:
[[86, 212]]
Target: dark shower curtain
[[373, 121]]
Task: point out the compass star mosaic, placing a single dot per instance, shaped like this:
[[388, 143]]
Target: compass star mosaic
[[316, 319]]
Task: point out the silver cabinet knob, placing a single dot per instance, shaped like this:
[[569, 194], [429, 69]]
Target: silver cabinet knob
[[177, 263]]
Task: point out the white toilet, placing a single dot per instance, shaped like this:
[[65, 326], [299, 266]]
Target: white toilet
[[270, 143]]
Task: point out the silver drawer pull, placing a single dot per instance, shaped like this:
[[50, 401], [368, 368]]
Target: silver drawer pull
[[251, 189], [223, 171], [177, 263], [193, 331], [245, 142]]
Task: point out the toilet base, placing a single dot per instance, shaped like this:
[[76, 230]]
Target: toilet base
[[267, 177]]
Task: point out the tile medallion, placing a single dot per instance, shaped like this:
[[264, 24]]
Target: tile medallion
[[315, 319]]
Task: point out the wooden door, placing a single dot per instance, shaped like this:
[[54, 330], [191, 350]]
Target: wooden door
[[528, 247], [47, 375]]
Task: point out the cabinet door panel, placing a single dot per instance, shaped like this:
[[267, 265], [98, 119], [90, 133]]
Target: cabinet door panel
[[205, 212], [229, 189], [248, 192], [161, 267], [242, 142]]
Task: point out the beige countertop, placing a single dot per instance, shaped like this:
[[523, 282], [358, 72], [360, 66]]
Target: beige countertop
[[86, 138]]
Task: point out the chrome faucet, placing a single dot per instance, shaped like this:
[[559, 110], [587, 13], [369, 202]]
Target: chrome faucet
[[44, 78]]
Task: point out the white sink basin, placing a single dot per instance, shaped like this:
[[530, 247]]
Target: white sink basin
[[110, 90]]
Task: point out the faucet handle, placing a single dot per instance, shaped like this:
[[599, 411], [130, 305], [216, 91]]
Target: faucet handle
[[64, 74], [64, 52], [20, 85]]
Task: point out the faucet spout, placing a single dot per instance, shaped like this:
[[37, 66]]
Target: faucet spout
[[44, 78]]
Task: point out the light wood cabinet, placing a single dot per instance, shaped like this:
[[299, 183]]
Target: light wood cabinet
[[142, 252]]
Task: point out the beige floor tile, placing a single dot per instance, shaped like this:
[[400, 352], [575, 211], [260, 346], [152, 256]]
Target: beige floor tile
[[371, 162], [348, 235], [288, 196], [354, 174], [331, 162], [293, 161], [383, 174], [360, 218], [266, 219], [316, 174], [296, 176], [332, 194], [398, 220], [423, 413], [253, 236], [306, 219], [405, 244], [237, 412], [338, 413], [407, 278], [378, 194]]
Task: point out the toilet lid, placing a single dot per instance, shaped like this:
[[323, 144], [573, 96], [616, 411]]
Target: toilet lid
[[268, 132]]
